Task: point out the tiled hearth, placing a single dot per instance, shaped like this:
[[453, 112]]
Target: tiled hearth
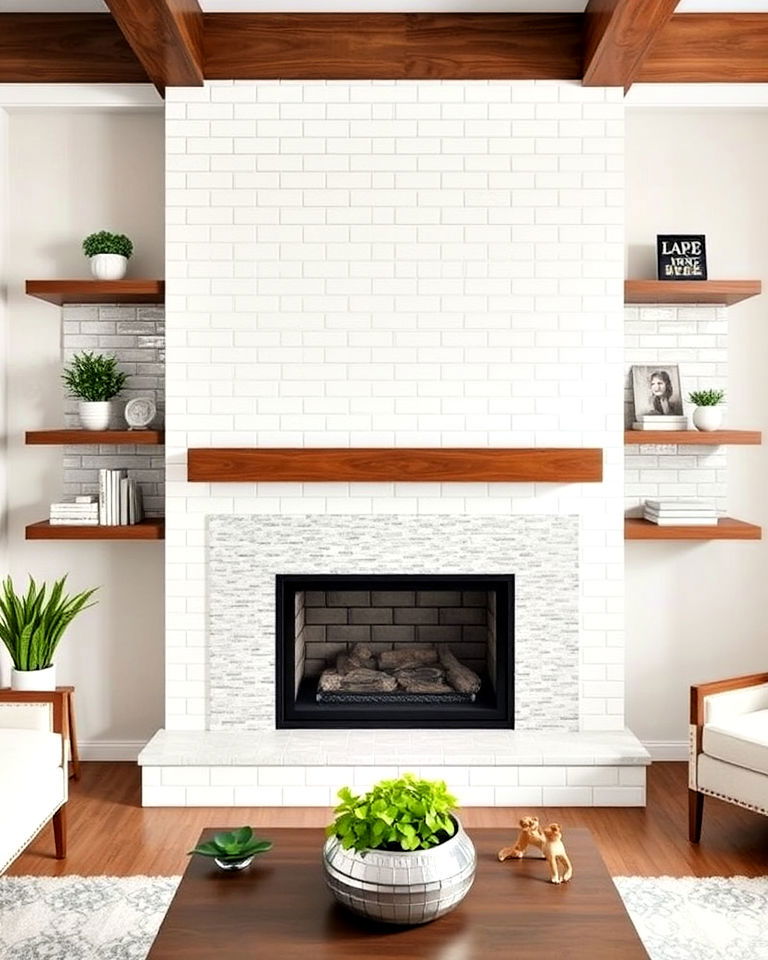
[[300, 768]]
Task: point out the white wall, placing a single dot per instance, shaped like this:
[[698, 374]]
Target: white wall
[[698, 611], [4, 198], [72, 173]]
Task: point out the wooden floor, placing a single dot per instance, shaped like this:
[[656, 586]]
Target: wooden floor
[[110, 833]]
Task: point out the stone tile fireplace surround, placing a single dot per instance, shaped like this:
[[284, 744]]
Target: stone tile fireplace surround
[[394, 264]]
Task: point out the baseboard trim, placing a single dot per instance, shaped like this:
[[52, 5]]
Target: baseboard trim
[[123, 750], [666, 749]]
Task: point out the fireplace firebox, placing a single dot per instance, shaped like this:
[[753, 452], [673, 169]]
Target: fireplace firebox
[[395, 651]]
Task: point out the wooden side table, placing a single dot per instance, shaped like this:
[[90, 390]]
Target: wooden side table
[[69, 706]]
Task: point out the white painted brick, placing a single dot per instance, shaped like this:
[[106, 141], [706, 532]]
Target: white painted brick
[[209, 796], [185, 776], [517, 796], [346, 202], [542, 776], [592, 776], [619, 796], [568, 796], [282, 776]]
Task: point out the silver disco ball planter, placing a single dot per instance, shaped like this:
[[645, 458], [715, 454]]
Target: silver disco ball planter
[[401, 888]]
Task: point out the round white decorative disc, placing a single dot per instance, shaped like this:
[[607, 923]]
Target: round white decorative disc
[[140, 412]]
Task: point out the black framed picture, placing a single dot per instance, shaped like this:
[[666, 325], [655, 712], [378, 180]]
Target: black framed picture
[[681, 256], [656, 390]]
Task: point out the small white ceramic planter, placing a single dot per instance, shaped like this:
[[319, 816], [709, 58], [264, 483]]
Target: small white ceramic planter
[[708, 418], [34, 679], [109, 266], [94, 416]]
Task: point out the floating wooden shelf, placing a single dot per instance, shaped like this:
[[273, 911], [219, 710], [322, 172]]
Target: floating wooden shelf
[[713, 438], [391, 464], [726, 292], [636, 528], [97, 291], [117, 437], [150, 529]]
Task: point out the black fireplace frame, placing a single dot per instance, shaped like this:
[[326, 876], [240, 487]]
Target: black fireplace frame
[[497, 711]]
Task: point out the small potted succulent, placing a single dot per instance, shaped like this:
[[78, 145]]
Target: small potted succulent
[[398, 854], [233, 850], [31, 627], [708, 414], [109, 254], [95, 380]]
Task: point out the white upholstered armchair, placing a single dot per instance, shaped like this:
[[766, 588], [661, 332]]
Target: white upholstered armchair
[[728, 746], [33, 770]]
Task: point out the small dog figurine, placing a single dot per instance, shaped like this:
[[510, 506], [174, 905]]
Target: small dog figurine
[[554, 851], [530, 835]]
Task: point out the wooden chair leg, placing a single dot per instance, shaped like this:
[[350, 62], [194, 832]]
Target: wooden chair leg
[[73, 749], [695, 815], [60, 832]]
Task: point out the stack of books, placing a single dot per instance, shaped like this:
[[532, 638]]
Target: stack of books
[[120, 502], [660, 422], [81, 512], [681, 513]]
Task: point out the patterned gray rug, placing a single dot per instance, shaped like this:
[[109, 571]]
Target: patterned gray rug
[[116, 918]]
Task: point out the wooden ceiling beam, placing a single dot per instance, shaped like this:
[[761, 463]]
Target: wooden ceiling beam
[[618, 35], [167, 38], [392, 46], [709, 48], [65, 48]]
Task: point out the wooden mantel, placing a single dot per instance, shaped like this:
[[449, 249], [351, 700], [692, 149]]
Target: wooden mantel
[[391, 464]]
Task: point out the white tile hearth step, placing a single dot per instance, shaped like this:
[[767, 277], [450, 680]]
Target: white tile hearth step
[[305, 768]]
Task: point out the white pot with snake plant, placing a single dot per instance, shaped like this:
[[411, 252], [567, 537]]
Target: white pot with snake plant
[[31, 626], [94, 379]]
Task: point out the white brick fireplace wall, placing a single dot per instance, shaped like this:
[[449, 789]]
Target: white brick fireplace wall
[[395, 264]]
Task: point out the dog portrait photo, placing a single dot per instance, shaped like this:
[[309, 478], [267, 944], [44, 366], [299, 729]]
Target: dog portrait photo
[[656, 391]]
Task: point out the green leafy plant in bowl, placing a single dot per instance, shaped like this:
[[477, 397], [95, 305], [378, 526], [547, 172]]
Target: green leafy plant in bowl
[[706, 398], [395, 815], [106, 242], [234, 849]]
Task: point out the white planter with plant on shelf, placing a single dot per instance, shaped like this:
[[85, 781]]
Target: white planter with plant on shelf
[[708, 415], [94, 380], [31, 626], [109, 254]]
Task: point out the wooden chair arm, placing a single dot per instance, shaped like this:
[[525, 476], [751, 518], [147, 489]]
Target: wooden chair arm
[[55, 697], [701, 690]]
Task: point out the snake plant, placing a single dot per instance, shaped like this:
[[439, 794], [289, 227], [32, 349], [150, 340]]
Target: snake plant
[[32, 625]]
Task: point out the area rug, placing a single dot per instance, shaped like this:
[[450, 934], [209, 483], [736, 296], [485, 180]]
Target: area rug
[[117, 918], [699, 918], [81, 918]]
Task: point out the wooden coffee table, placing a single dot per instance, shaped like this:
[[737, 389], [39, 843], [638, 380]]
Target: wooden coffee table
[[280, 908]]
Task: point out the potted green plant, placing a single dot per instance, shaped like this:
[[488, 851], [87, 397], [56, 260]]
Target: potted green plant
[[109, 254], [708, 414], [94, 379], [398, 853], [233, 850], [31, 627]]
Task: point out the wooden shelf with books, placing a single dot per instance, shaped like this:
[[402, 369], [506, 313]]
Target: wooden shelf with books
[[637, 528], [152, 528], [710, 438]]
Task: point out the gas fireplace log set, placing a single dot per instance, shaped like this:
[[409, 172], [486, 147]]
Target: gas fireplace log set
[[430, 673], [384, 651]]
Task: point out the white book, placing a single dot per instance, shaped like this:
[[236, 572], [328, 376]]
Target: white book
[[662, 417], [683, 521], [87, 508], [124, 481], [103, 497], [660, 426], [87, 498], [73, 522], [690, 504]]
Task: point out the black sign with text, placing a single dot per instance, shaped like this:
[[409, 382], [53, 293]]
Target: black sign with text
[[681, 256]]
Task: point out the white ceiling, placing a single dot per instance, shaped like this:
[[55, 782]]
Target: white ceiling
[[371, 6]]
